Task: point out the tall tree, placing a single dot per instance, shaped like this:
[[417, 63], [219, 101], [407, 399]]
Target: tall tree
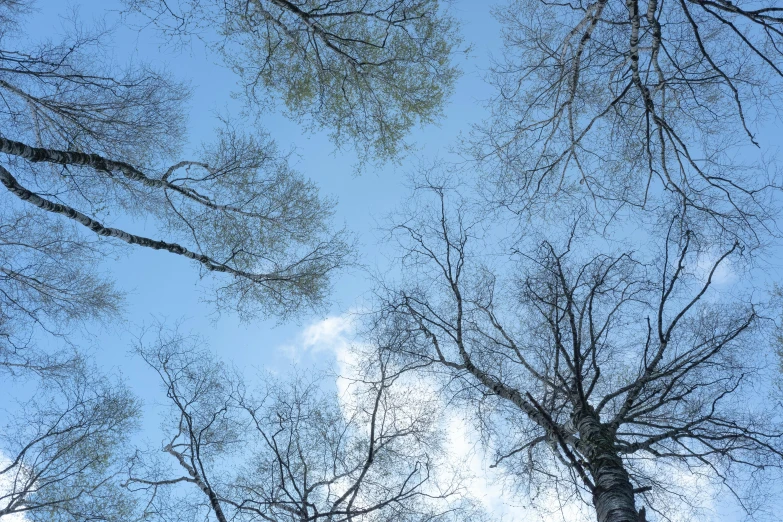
[[288, 451], [639, 104], [84, 142], [606, 373], [366, 70]]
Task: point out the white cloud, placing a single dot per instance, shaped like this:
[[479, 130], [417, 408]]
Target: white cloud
[[485, 483], [725, 273], [332, 333], [336, 336], [482, 482], [333, 336]]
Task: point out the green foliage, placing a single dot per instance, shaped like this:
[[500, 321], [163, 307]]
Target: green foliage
[[64, 449], [367, 71]]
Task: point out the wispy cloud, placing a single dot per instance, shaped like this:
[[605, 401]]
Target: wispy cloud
[[331, 334], [335, 336]]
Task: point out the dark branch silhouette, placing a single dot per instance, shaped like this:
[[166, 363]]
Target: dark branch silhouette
[[638, 105], [596, 372], [290, 451]]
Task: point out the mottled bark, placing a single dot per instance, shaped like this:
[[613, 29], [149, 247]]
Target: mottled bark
[[590, 370], [214, 503], [110, 167], [613, 495], [13, 186]]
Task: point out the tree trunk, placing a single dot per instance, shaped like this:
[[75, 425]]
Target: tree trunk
[[613, 496]]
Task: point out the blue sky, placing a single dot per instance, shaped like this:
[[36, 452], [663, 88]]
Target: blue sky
[[161, 286]]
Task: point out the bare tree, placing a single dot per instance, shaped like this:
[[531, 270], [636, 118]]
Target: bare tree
[[639, 105], [63, 426], [366, 70], [595, 376], [47, 284], [86, 143], [289, 452], [61, 451]]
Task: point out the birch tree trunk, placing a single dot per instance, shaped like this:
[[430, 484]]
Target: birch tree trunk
[[584, 367], [613, 495]]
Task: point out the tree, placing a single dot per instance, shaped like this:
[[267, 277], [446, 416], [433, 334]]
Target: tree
[[61, 451], [82, 141], [47, 283], [638, 105], [65, 426], [289, 451], [85, 142], [366, 70], [596, 372]]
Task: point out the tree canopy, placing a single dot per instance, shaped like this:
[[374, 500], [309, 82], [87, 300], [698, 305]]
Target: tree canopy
[[368, 71], [82, 142], [602, 376], [639, 105], [587, 281]]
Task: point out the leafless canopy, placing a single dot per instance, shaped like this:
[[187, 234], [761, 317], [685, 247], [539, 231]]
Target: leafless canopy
[[638, 104], [606, 373], [290, 452], [366, 70]]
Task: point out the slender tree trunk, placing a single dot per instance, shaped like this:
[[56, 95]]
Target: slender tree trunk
[[613, 496]]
